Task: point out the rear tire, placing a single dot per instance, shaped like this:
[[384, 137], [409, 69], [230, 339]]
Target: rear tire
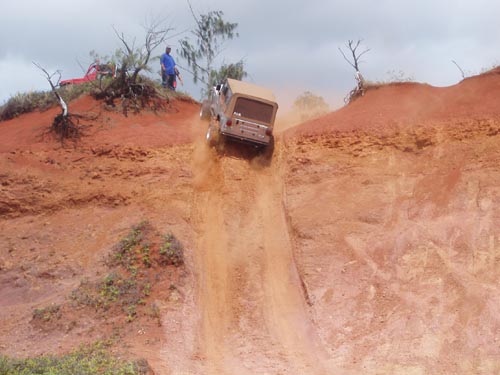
[[215, 138], [212, 136], [269, 149]]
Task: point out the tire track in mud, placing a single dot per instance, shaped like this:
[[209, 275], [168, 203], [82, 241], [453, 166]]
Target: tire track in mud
[[253, 316]]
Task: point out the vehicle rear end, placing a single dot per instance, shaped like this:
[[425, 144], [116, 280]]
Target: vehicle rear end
[[249, 119]]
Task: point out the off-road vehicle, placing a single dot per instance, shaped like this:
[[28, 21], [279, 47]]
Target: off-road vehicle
[[240, 111]]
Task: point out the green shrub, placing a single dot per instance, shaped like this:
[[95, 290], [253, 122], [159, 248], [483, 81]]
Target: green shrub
[[171, 251], [133, 249], [113, 290], [47, 314], [87, 360], [26, 103], [135, 261]]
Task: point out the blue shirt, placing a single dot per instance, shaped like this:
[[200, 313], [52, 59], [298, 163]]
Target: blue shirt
[[169, 63]]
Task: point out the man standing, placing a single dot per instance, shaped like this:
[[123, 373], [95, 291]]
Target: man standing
[[168, 70]]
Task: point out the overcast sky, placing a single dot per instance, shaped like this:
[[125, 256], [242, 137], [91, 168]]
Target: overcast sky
[[288, 45]]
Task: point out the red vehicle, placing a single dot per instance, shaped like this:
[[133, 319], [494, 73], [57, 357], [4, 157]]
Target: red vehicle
[[95, 71]]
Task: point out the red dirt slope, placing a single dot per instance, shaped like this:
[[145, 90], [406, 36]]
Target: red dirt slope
[[369, 244], [395, 106], [394, 208], [147, 129]]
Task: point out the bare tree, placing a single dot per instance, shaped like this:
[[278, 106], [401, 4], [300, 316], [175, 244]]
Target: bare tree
[[53, 86], [459, 68], [354, 62], [63, 124]]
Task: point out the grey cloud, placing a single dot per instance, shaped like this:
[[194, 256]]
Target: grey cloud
[[280, 41]]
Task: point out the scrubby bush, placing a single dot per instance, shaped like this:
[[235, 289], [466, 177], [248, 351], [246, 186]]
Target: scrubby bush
[[40, 100], [171, 251], [135, 261], [309, 106], [26, 103], [87, 360], [47, 313]]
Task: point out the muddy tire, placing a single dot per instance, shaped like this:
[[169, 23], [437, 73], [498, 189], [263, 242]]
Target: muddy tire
[[268, 150], [212, 136], [215, 139], [205, 110]]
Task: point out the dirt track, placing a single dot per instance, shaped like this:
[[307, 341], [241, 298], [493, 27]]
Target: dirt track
[[253, 315], [369, 245]]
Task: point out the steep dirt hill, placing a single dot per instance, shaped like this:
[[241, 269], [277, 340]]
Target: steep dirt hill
[[369, 245], [398, 106], [393, 204]]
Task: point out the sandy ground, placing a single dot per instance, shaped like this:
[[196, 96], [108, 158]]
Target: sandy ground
[[369, 244]]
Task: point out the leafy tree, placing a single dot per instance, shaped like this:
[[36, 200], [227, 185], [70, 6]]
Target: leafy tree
[[235, 71], [309, 106], [210, 33]]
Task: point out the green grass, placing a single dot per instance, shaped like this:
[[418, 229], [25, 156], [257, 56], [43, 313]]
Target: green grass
[[87, 360], [40, 100]]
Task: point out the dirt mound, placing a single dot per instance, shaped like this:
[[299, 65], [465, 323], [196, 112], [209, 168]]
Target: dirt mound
[[393, 203], [392, 107], [368, 245], [103, 125]]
